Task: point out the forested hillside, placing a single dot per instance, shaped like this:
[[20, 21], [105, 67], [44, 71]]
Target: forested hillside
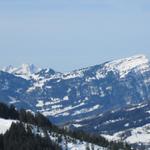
[[35, 132]]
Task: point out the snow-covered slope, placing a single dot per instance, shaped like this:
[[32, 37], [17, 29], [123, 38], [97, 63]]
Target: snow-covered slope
[[139, 136], [136, 135], [74, 144], [5, 125], [124, 66]]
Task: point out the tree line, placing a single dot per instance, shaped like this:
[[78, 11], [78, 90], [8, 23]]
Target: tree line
[[20, 138], [16, 135]]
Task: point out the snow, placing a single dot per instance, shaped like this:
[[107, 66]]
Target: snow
[[89, 79], [127, 124], [63, 114], [47, 103], [66, 98], [138, 135], [13, 100], [77, 125], [86, 110], [109, 88], [40, 103], [112, 121], [48, 87], [82, 146], [5, 125], [123, 66], [102, 94], [75, 144], [100, 75], [74, 74], [24, 71], [56, 106], [148, 111], [137, 107], [58, 111], [55, 100], [67, 142], [37, 84], [69, 90]]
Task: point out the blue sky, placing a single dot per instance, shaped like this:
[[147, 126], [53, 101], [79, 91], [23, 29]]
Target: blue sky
[[71, 34]]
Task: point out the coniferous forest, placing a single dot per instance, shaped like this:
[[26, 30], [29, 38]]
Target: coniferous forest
[[20, 136]]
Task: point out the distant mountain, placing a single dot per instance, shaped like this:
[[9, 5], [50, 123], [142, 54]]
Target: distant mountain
[[24, 71], [82, 94]]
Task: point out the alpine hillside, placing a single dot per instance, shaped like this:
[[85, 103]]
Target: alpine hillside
[[78, 94], [95, 97]]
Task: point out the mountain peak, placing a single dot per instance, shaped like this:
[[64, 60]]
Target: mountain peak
[[25, 70], [126, 64], [134, 60], [29, 68]]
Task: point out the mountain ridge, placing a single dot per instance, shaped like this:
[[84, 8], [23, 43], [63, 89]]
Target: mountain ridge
[[82, 94], [99, 81], [29, 69]]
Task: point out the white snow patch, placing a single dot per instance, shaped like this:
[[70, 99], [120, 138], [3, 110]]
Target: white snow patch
[[148, 111], [66, 98], [40, 103], [100, 75], [102, 94], [5, 125], [85, 110], [13, 100], [109, 88], [77, 125], [137, 107], [127, 124], [123, 66], [113, 121], [56, 106], [59, 111], [48, 87], [74, 74]]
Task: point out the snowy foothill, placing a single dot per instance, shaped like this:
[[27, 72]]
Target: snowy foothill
[[5, 124], [132, 136]]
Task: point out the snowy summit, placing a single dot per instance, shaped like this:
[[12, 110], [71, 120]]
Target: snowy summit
[[25, 70], [123, 66]]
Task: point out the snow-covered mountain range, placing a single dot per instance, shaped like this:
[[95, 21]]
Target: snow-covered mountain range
[[82, 94]]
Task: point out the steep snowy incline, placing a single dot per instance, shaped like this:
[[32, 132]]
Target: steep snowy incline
[[5, 125]]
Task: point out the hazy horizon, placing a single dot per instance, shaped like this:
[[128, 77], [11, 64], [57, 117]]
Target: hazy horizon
[[66, 35]]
